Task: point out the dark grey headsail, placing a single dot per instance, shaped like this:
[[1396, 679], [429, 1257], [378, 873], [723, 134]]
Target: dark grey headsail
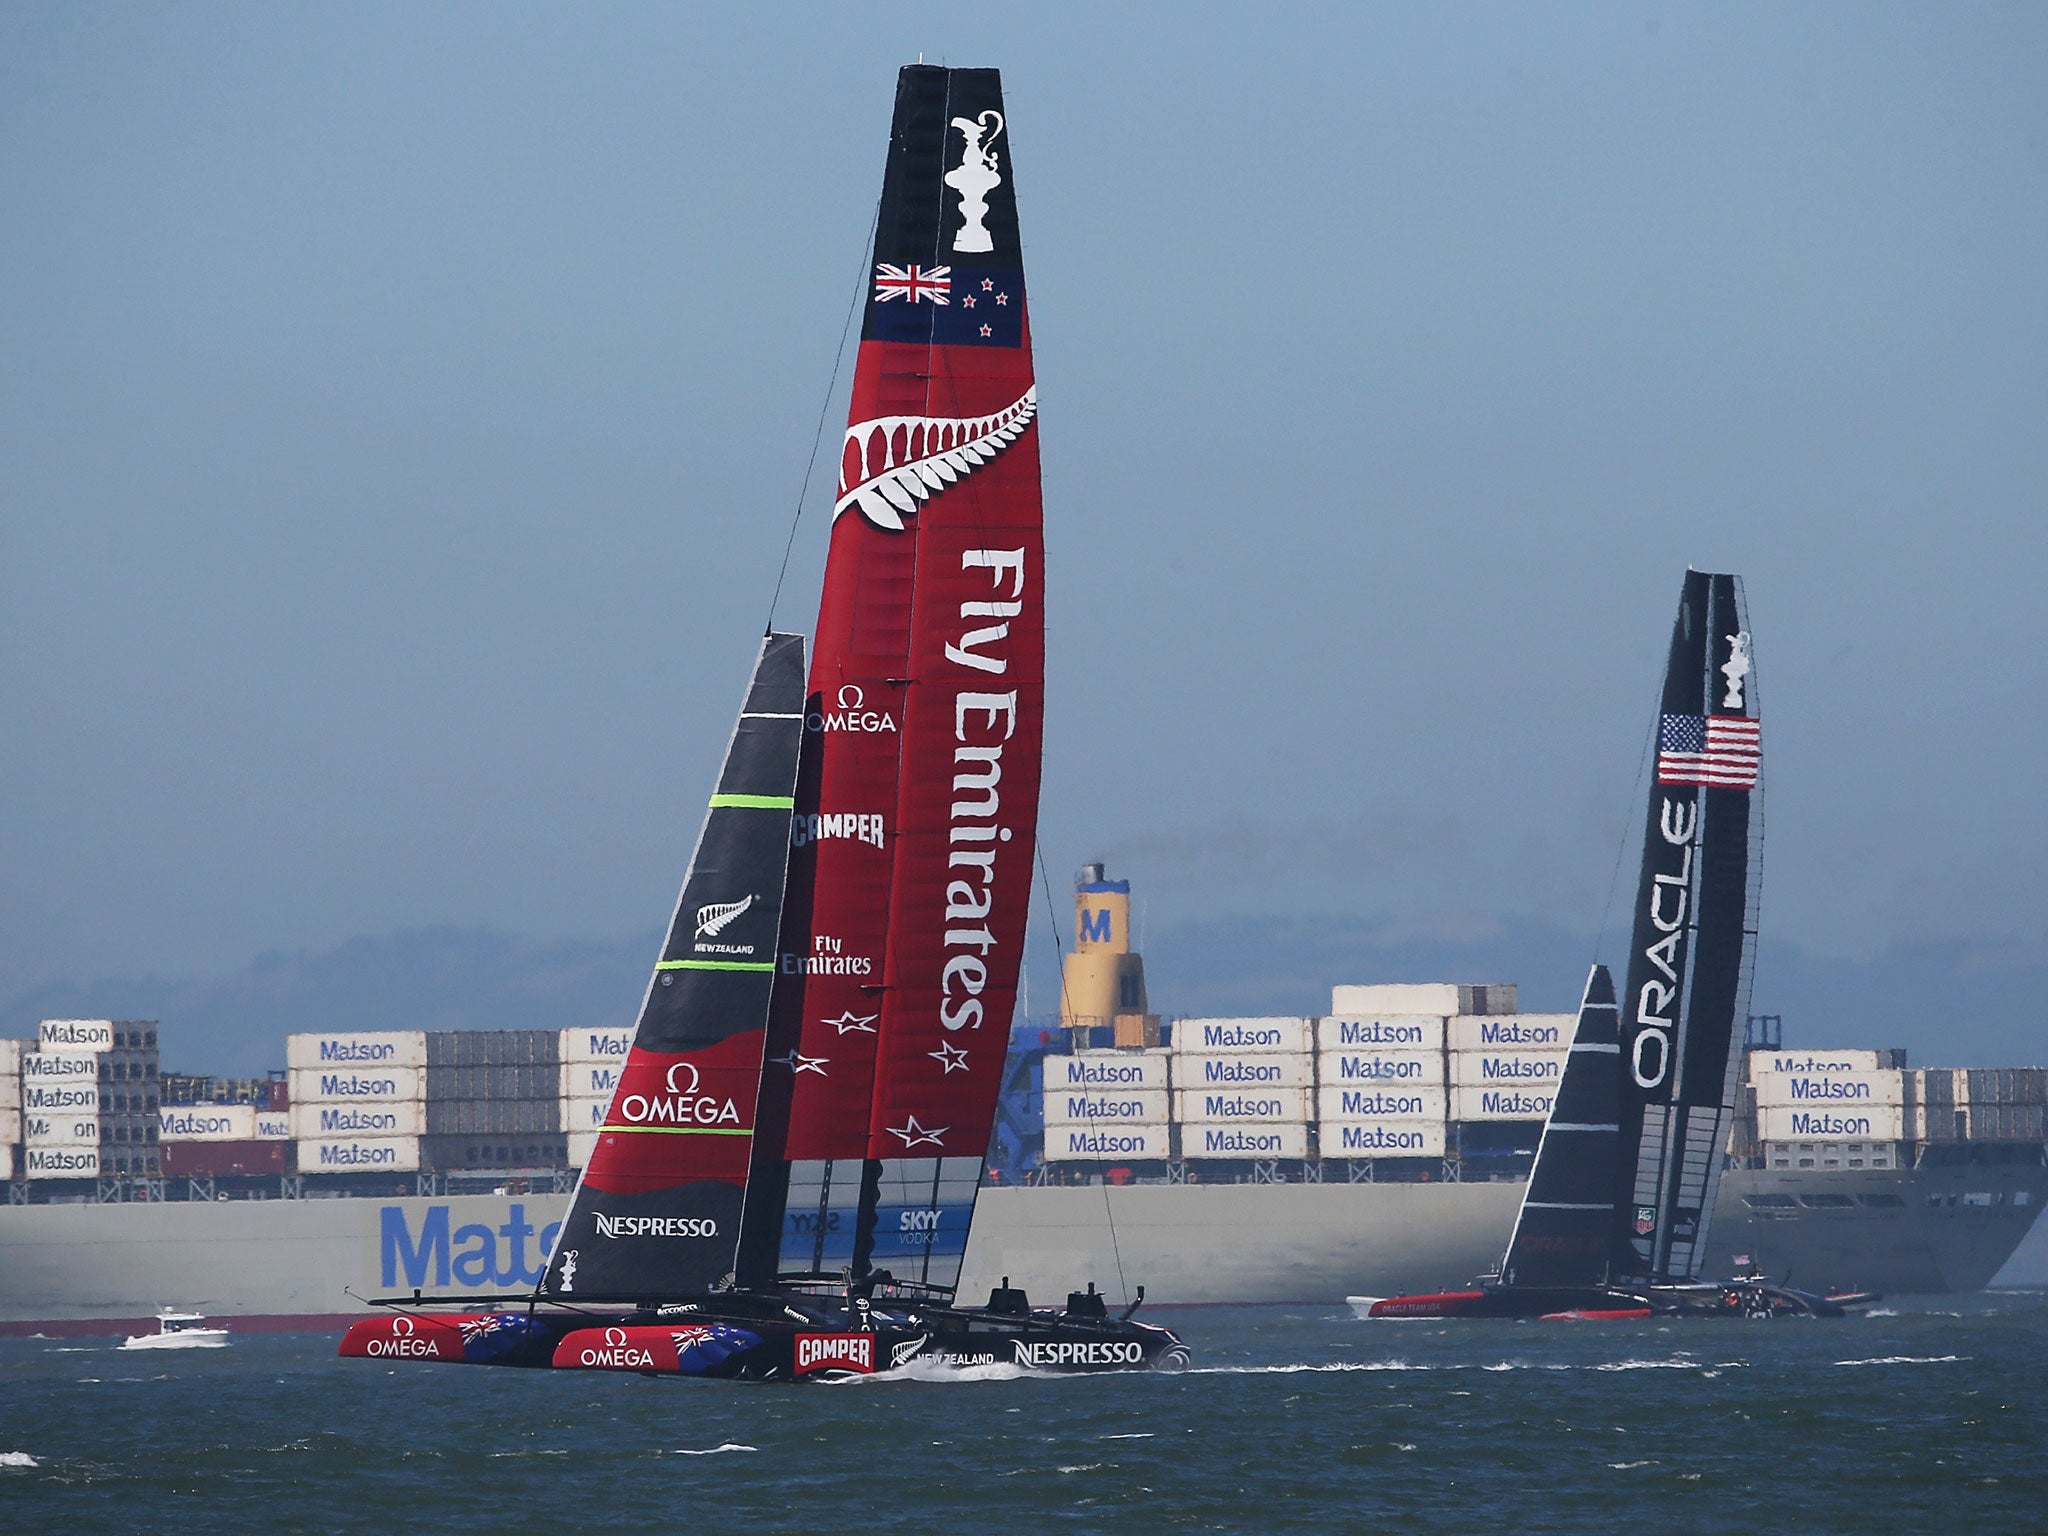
[[657, 1213], [1693, 948], [1565, 1232]]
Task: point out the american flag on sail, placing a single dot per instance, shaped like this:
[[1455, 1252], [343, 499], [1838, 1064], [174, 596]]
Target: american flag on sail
[[1718, 751], [932, 285]]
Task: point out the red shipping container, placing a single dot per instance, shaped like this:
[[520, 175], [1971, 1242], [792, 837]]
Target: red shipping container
[[219, 1159]]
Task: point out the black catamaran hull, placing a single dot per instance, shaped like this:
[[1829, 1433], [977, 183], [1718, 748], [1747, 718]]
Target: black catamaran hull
[[1735, 1298]]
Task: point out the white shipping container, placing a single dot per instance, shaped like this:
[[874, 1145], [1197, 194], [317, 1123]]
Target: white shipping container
[[1231, 1105], [79, 1162], [94, 1035], [1763, 1064], [1438, 998], [1514, 1031], [58, 1067], [1071, 1143], [10, 1126], [1507, 1069], [1106, 1069], [1380, 1031], [1360, 1068], [273, 1125], [1105, 1106], [206, 1122], [8, 1157], [1217, 1037], [585, 1114], [357, 1085], [72, 1130], [337, 1121], [360, 1154], [1339, 1102], [381, 1049], [1831, 1090], [1863, 1122], [1262, 1069], [10, 1057], [1382, 1138], [590, 1079], [1529, 1102], [1263, 1141], [587, 1045], [75, 1097], [581, 1144]]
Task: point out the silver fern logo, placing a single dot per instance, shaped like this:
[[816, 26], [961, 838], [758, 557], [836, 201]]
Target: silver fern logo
[[891, 464], [719, 916]]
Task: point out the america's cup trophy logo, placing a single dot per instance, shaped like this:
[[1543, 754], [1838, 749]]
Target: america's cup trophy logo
[[975, 177]]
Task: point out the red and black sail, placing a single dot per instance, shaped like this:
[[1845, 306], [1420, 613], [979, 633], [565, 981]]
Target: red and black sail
[[1687, 995], [657, 1213]]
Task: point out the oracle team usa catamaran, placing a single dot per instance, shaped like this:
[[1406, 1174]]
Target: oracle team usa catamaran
[[784, 1180]]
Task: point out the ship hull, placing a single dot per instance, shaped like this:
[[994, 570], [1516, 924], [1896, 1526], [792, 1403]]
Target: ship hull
[[292, 1263]]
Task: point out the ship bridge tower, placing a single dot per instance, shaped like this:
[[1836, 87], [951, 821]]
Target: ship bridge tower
[[1104, 982]]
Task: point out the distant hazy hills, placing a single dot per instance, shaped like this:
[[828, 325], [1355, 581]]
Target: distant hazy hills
[[1947, 1005]]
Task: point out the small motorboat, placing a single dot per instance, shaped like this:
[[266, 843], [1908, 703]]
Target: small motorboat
[[179, 1330]]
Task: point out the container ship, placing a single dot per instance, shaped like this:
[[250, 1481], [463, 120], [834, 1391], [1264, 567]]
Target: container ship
[[1377, 1148]]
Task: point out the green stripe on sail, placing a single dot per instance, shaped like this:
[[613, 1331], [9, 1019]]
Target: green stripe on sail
[[753, 802], [716, 965]]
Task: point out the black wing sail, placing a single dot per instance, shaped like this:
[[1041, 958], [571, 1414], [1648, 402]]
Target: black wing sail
[[656, 1215], [1564, 1234], [1694, 935]]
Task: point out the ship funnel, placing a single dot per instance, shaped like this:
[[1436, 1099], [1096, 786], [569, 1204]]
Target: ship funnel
[[1103, 997]]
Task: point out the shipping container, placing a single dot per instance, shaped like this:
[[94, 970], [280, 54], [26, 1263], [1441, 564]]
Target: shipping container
[[1265, 1140], [1494, 997], [527, 1080], [1096, 1143], [225, 1159], [1261, 1069], [10, 1126], [382, 1049], [1199, 1037], [71, 1035], [61, 1130], [1092, 1106], [495, 1117], [579, 1115], [206, 1122], [588, 1080], [1830, 1089], [318, 1122], [1514, 1031], [10, 1057], [273, 1125], [58, 1067], [121, 1065], [588, 1045], [359, 1154], [1381, 1138], [1835, 1154], [1507, 1069], [1764, 1064], [1358, 1068], [1231, 1105], [1341, 1102], [10, 1092], [1107, 1069], [581, 1145], [81, 1096], [355, 1085], [1436, 999], [455, 1154], [1387, 1031], [494, 1048], [65, 1162], [1860, 1122], [10, 1158], [1531, 1102]]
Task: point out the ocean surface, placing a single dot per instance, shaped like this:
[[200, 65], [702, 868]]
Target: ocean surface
[[1930, 1416]]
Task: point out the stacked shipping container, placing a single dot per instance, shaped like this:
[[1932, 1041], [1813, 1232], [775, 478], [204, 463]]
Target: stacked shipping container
[[87, 1099], [589, 1073]]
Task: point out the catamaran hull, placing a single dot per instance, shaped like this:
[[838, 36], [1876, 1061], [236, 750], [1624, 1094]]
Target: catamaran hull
[[1734, 1298]]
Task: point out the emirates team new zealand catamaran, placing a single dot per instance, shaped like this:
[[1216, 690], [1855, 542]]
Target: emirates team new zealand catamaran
[[824, 1033], [1613, 1222]]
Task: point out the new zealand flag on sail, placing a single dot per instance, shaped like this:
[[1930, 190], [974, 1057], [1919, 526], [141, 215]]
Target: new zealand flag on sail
[[947, 305]]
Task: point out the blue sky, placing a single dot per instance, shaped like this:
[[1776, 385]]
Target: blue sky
[[405, 406]]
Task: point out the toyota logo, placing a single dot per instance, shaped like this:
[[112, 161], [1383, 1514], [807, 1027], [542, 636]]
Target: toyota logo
[[682, 1066], [404, 1327], [615, 1338]]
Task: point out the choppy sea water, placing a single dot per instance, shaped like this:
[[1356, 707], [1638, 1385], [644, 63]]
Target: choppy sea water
[[1930, 1416]]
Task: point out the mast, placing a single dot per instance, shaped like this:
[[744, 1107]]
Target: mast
[[657, 1212], [1565, 1231], [949, 302], [1693, 949]]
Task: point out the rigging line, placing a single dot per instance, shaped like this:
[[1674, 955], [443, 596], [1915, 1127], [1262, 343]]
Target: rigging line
[[824, 411], [1066, 1011]]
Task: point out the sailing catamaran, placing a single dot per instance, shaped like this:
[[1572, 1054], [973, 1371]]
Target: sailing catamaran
[[784, 1180], [1613, 1222]]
